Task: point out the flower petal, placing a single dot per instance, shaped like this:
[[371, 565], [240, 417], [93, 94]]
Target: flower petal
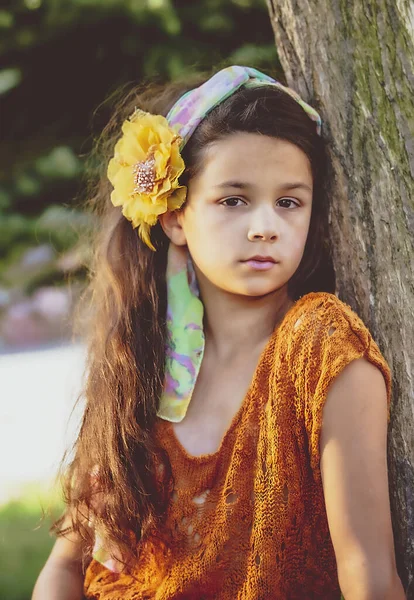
[[177, 199], [113, 168], [144, 231]]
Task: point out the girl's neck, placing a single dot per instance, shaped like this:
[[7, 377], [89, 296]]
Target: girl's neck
[[236, 325]]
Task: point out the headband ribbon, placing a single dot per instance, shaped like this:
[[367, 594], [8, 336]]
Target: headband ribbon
[[188, 112], [186, 342]]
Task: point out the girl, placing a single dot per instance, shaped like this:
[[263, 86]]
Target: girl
[[234, 438]]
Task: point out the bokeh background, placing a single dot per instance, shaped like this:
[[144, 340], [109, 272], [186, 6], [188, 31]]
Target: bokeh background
[[60, 62]]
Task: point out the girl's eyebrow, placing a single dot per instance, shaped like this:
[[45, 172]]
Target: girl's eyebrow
[[244, 185]]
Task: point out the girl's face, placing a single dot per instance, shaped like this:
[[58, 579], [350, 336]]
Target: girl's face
[[253, 196]]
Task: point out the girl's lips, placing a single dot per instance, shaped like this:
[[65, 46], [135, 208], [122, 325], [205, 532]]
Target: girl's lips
[[260, 265]]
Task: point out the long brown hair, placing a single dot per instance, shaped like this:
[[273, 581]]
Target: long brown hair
[[126, 332]]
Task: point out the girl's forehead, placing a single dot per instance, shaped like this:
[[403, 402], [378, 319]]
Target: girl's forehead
[[254, 155]]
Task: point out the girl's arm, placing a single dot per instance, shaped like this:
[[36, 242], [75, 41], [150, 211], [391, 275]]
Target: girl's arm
[[62, 576], [355, 482]]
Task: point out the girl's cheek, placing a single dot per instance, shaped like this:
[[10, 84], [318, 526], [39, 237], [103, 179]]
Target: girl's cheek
[[298, 243]]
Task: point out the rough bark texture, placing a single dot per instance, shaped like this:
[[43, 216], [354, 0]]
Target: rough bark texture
[[354, 61]]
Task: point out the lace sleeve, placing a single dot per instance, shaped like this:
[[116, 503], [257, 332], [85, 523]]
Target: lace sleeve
[[330, 337]]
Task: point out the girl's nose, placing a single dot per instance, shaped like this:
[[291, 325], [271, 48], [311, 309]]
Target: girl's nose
[[264, 226]]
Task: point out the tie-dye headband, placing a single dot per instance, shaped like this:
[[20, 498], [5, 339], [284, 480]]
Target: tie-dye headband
[[188, 112], [185, 312]]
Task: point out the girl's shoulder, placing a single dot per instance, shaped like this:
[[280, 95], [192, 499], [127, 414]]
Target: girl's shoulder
[[321, 302], [329, 335], [316, 310], [321, 328], [325, 334]]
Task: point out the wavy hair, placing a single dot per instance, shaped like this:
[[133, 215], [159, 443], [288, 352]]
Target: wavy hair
[[126, 327]]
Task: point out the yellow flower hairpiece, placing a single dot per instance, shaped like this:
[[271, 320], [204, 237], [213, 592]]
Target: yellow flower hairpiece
[[144, 171]]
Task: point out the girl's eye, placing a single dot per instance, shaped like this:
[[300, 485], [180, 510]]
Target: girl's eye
[[232, 198], [288, 200]]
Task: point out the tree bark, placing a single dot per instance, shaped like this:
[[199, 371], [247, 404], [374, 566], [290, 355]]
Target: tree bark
[[354, 61]]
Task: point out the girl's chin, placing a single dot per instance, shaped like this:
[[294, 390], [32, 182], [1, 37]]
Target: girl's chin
[[255, 291]]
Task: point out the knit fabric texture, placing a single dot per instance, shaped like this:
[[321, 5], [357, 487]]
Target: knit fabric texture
[[248, 521]]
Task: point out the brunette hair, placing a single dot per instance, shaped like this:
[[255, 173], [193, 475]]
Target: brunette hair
[[126, 332]]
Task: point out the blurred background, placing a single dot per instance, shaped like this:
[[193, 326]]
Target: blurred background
[[59, 61]]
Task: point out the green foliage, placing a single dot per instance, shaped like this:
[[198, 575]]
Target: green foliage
[[9, 78], [62, 58], [25, 542], [58, 228]]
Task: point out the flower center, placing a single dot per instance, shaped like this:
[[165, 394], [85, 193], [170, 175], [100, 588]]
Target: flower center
[[144, 176]]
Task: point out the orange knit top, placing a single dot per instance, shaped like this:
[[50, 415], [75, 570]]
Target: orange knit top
[[248, 522]]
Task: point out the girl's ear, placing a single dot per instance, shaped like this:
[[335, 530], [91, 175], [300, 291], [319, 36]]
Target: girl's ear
[[171, 224]]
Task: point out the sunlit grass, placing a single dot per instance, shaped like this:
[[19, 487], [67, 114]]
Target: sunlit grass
[[25, 541]]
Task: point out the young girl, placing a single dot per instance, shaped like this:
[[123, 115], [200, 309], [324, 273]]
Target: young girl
[[234, 438]]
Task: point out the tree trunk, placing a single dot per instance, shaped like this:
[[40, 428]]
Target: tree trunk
[[354, 61]]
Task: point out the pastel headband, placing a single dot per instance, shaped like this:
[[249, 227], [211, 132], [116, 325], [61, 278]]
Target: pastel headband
[[147, 163], [192, 107]]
